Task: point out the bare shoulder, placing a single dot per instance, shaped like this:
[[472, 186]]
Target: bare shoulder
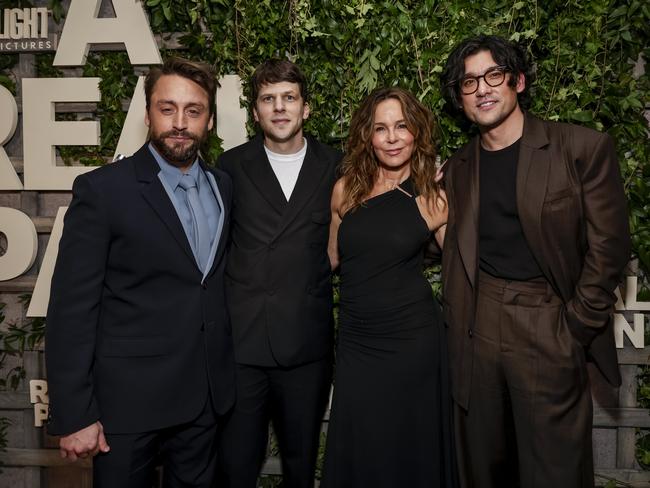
[[337, 195], [339, 187]]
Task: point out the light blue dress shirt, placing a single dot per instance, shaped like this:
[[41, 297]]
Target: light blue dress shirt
[[170, 176]]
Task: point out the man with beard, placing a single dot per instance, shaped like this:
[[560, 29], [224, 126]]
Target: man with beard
[[278, 283], [536, 241], [139, 354]]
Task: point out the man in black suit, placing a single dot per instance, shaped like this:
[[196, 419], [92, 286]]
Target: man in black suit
[[139, 349], [278, 283]]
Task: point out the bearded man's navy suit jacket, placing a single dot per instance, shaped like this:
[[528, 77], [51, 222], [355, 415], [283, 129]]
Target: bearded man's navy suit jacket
[[136, 335]]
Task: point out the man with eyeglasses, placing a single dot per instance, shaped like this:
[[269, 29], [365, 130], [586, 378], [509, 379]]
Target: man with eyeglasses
[[536, 241]]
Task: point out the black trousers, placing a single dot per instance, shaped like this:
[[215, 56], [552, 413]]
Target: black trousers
[[187, 453], [530, 410], [294, 399]]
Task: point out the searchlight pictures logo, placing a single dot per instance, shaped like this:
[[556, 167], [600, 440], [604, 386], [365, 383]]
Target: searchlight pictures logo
[[26, 30]]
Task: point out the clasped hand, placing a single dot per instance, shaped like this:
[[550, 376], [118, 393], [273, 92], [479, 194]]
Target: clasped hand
[[85, 442]]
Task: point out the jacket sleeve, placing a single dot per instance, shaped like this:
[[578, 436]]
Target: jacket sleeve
[[607, 237], [74, 311]]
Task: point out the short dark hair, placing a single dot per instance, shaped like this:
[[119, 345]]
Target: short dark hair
[[277, 71], [200, 73], [504, 52]]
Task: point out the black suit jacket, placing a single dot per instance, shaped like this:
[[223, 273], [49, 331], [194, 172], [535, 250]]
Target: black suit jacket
[[573, 213], [133, 337], [278, 274]]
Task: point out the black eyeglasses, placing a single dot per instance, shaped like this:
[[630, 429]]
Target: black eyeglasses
[[493, 77]]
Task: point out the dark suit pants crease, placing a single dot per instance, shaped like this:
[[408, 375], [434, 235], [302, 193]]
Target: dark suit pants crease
[[294, 399], [187, 453], [530, 410]]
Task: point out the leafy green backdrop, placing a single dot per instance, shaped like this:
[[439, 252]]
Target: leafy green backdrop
[[585, 53]]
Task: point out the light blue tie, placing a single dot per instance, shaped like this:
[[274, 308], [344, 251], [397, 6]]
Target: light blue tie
[[199, 240]]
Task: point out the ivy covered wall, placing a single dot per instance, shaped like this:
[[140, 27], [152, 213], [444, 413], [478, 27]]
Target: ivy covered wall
[[589, 56]]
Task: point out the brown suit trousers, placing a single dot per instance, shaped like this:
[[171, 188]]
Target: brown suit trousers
[[529, 369]]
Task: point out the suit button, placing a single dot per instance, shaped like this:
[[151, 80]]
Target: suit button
[[202, 327], [204, 285], [271, 292], [272, 246], [470, 333]]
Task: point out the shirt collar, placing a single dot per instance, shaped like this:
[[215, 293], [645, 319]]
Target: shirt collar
[[171, 173]]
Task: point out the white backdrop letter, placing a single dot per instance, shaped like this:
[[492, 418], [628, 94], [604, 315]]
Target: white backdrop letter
[[8, 178], [82, 28], [41, 132], [22, 243]]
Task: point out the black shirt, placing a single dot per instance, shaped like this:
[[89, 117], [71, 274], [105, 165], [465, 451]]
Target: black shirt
[[503, 250]]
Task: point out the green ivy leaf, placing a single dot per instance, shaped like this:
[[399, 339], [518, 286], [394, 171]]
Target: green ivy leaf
[[581, 116], [167, 12]]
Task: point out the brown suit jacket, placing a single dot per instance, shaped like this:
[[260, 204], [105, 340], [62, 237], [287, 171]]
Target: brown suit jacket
[[573, 213]]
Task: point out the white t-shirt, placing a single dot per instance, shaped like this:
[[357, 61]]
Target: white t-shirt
[[287, 167]]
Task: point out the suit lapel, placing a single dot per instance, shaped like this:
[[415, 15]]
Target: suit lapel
[[466, 194], [154, 193], [219, 244], [533, 169], [258, 169], [310, 177]]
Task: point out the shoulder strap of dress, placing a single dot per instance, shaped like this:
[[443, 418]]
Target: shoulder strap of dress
[[410, 187], [398, 187]]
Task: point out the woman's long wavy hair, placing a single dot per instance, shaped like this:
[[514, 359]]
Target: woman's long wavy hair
[[360, 167]]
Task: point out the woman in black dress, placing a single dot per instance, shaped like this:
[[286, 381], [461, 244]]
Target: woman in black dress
[[389, 425]]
